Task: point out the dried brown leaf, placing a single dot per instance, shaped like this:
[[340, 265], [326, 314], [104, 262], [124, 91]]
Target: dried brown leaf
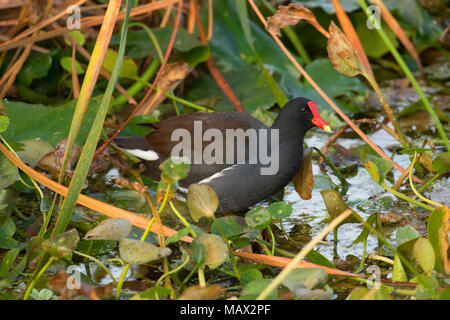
[[291, 15], [69, 289], [303, 181], [341, 53]]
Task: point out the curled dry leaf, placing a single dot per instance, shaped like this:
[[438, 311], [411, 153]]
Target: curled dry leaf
[[110, 229], [291, 15], [52, 161], [172, 73], [341, 53], [303, 181]]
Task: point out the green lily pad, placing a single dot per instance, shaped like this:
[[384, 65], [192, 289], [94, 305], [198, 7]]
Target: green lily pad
[[280, 210], [4, 123], [258, 218], [35, 67]]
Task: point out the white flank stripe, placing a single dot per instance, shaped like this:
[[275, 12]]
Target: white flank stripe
[[148, 155], [217, 175]]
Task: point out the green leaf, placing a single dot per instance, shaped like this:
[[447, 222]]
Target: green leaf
[[232, 226], [177, 236], [48, 123], [198, 252], [405, 234], [8, 173], [155, 292], [66, 64], [437, 228], [35, 67], [258, 218], [110, 229], [202, 201], [139, 252], [78, 35], [62, 244], [428, 288], [398, 272], [318, 258], [424, 254], [4, 123], [8, 260], [365, 232], [280, 210], [441, 163], [255, 287], [250, 275], [129, 68], [377, 167], [174, 169], [336, 205]]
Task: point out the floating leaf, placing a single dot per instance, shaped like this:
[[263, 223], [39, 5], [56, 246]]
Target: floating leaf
[[303, 180], [4, 123], [202, 201], [110, 229], [280, 210], [138, 252], [424, 254], [438, 230], [341, 53], [255, 287], [290, 15], [197, 292], [216, 249], [66, 64], [62, 244], [174, 169], [258, 218]]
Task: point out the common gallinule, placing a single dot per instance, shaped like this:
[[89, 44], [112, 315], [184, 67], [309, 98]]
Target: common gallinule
[[272, 155]]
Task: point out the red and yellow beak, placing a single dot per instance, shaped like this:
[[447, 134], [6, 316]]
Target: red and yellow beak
[[317, 120]]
